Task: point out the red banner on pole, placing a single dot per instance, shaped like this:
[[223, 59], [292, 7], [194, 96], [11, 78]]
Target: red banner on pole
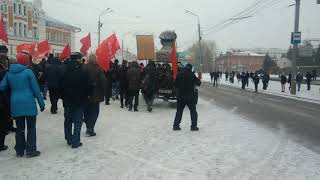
[[65, 53], [3, 32], [86, 44], [174, 60]]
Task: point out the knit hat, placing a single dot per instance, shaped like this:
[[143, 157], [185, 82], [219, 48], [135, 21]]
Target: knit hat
[[23, 59], [188, 66]]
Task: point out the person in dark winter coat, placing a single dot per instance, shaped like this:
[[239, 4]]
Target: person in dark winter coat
[[186, 83], [265, 80], [283, 79], [309, 78], [134, 82], [24, 90], [52, 75], [227, 75], [149, 85], [244, 80], [299, 78], [108, 93], [215, 77], [123, 84], [289, 80], [256, 81], [96, 75], [75, 89], [247, 78], [238, 77], [4, 99], [115, 80]]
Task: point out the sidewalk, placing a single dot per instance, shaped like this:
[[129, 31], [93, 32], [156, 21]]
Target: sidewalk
[[274, 88]]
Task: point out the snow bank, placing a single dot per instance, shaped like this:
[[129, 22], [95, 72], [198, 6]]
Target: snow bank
[[142, 146]]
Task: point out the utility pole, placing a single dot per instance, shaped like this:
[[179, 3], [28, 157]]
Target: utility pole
[[295, 49], [108, 10]]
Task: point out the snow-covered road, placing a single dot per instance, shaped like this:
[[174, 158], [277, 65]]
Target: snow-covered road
[[142, 146]]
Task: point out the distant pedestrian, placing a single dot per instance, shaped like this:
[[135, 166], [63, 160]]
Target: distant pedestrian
[[227, 75], [134, 82], [211, 75], [247, 78], [123, 84], [216, 78], [244, 80], [265, 80], [24, 90], [299, 78], [289, 81], [238, 77], [309, 78], [185, 83], [283, 79], [91, 110], [75, 89], [256, 81], [314, 74]]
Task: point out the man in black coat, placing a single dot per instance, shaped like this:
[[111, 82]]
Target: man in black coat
[[76, 89], [52, 74], [309, 78], [215, 77], [123, 84], [243, 80], [256, 81], [265, 80], [134, 83], [186, 83], [4, 99], [299, 79]]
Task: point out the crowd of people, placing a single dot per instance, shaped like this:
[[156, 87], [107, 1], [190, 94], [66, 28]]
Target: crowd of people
[[263, 77], [81, 85]]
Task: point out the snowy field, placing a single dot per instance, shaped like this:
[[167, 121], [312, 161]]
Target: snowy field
[[142, 146], [275, 88]]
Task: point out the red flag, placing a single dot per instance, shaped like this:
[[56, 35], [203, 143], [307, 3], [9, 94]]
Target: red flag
[[43, 49], [174, 60], [113, 45], [3, 32], [26, 47], [86, 44], [65, 53], [103, 56]]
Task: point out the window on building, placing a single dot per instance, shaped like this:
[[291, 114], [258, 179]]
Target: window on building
[[20, 9], [25, 34], [25, 10], [53, 36], [5, 24], [15, 29], [20, 29], [35, 33], [5, 8], [15, 8]]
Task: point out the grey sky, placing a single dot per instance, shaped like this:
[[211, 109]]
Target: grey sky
[[269, 28]]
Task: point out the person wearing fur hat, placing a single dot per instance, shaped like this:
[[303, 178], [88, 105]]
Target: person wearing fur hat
[[186, 83], [24, 93]]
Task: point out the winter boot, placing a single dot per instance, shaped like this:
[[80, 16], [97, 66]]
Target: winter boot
[[176, 128], [33, 154], [194, 129], [75, 146]]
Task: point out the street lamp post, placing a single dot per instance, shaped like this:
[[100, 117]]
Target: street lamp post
[[108, 10], [199, 34], [295, 49]]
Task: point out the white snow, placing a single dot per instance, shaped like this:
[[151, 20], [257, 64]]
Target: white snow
[[274, 88], [142, 146]]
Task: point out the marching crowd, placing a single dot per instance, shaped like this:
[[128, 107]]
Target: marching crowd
[[245, 77], [81, 85]]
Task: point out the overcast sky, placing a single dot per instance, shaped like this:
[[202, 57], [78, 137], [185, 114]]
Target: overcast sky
[[269, 28]]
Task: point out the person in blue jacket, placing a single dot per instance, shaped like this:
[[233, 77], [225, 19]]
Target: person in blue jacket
[[24, 90]]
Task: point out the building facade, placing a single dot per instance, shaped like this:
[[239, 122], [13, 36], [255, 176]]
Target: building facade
[[239, 61], [26, 22]]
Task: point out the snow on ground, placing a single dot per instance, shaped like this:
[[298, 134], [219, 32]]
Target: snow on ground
[[274, 88], [142, 146]]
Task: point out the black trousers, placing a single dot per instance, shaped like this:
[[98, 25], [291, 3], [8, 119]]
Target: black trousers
[[133, 94], [215, 82], [4, 124], [54, 97], [265, 85], [123, 96], [181, 104], [149, 98], [256, 87], [309, 86]]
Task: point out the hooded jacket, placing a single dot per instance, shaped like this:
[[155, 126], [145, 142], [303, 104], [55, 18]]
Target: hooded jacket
[[24, 91]]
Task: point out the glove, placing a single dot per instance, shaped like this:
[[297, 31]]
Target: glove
[[42, 109]]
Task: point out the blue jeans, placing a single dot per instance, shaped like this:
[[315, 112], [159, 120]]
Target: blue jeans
[[21, 144], [91, 114], [72, 115]]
